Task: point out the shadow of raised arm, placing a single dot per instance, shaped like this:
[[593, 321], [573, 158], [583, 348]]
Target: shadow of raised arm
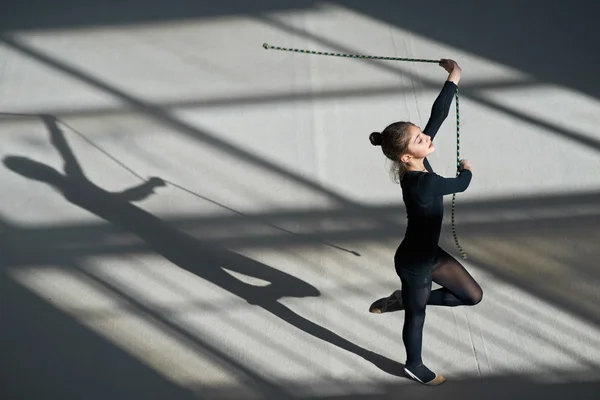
[[74, 171], [140, 192], [71, 167]]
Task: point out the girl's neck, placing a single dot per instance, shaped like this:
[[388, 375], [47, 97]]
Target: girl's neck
[[416, 165]]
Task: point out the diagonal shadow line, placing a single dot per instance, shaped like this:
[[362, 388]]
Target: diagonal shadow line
[[466, 92], [200, 135], [257, 99]]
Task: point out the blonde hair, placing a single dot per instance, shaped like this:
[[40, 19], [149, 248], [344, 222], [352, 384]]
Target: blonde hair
[[394, 142]]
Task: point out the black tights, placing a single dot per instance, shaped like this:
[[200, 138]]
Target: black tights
[[458, 289]]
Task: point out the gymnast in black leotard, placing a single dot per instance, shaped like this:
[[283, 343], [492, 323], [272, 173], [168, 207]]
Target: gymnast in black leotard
[[419, 260]]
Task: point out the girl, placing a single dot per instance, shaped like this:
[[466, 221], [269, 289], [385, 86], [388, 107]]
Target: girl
[[419, 260]]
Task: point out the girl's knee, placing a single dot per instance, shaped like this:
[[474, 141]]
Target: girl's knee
[[476, 298]]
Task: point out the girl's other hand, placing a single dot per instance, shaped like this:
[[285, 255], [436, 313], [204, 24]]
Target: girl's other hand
[[465, 164]]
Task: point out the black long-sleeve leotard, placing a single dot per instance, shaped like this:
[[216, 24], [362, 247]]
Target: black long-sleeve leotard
[[423, 193]]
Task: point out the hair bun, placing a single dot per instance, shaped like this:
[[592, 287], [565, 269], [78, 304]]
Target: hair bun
[[375, 138]]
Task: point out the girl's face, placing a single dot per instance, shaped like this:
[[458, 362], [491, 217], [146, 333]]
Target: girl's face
[[420, 144]]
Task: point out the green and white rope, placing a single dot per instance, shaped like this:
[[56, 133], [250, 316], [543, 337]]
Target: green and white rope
[[368, 57], [324, 53], [462, 252]]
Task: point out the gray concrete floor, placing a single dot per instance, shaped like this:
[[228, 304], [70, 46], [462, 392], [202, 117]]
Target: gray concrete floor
[[249, 273]]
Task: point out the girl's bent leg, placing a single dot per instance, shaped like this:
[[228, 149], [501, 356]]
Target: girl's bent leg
[[459, 287]]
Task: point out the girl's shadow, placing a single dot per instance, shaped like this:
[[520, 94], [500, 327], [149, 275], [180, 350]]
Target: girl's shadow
[[185, 251]]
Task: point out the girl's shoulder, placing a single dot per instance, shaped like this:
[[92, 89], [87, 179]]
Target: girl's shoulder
[[414, 178]]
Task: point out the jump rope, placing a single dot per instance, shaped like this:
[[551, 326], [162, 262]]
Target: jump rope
[[267, 46], [367, 57]]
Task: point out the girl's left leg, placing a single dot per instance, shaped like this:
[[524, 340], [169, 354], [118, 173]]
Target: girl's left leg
[[416, 288]]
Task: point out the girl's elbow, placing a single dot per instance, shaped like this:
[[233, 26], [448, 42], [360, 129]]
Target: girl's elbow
[[445, 113], [466, 185]]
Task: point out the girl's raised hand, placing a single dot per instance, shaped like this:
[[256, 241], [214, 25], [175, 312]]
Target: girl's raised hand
[[449, 65]]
